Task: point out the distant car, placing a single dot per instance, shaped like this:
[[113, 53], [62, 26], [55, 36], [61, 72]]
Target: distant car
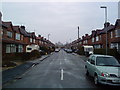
[[105, 69], [57, 50], [69, 51]]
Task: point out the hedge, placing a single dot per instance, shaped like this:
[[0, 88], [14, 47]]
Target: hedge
[[112, 52], [7, 58]]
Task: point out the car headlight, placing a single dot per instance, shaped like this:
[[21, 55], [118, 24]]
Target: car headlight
[[104, 74]]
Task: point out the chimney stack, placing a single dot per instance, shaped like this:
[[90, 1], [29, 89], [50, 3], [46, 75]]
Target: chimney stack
[[106, 24], [23, 27], [86, 34], [39, 35]]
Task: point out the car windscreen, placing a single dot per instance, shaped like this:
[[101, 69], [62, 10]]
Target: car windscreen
[[106, 61], [88, 49]]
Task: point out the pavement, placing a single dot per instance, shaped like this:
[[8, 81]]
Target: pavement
[[13, 73]]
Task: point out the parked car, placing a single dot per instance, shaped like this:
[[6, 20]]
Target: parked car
[[88, 50], [69, 51], [105, 69], [57, 50]]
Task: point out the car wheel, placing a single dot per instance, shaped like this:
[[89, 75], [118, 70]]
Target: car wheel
[[87, 73], [96, 80]]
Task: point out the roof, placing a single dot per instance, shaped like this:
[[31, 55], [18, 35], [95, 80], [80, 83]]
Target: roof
[[7, 24], [16, 28], [117, 22], [32, 35], [39, 38], [99, 55], [24, 32], [93, 33], [98, 31], [109, 28]]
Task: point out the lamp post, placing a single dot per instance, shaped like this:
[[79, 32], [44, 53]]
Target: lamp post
[[104, 7], [78, 35]]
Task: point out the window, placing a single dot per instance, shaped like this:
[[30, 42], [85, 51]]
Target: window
[[29, 48], [34, 41], [117, 33], [9, 34], [97, 38], [86, 41], [20, 48], [114, 45], [83, 42], [17, 36], [92, 60], [10, 48], [106, 61], [80, 42], [111, 34], [93, 39], [31, 40]]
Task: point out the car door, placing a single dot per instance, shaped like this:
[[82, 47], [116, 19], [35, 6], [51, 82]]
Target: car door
[[88, 64], [92, 66]]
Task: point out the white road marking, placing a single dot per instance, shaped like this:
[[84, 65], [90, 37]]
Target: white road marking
[[61, 74]]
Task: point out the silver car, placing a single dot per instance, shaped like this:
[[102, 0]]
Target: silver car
[[105, 69]]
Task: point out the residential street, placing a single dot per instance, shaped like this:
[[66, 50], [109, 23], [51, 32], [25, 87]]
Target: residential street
[[60, 70]]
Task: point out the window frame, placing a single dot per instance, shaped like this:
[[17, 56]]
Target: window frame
[[9, 34], [17, 36]]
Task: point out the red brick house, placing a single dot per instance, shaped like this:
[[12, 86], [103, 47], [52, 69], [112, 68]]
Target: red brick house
[[25, 37], [98, 41], [18, 39], [8, 38], [114, 36]]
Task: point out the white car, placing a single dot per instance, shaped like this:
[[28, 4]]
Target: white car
[[105, 69]]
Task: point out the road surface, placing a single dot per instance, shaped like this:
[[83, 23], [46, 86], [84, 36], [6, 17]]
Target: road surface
[[60, 70]]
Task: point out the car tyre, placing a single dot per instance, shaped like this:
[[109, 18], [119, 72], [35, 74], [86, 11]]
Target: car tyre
[[87, 73], [96, 80]]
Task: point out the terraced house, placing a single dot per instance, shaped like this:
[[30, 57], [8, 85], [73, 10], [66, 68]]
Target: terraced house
[[15, 39], [98, 37]]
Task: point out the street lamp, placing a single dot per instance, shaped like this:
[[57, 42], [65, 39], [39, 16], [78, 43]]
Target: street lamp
[[78, 32], [104, 7], [78, 35]]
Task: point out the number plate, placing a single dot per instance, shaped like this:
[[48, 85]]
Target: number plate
[[116, 81]]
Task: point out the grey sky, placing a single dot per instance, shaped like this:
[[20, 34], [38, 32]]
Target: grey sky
[[60, 19]]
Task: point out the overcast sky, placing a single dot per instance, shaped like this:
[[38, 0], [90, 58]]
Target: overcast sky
[[59, 19]]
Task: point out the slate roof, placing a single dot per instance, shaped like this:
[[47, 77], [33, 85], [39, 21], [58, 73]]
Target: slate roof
[[7, 24], [117, 22], [24, 32], [16, 29], [109, 28]]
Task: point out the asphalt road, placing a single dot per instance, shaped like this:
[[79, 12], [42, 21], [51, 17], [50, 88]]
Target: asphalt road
[[60, 70]]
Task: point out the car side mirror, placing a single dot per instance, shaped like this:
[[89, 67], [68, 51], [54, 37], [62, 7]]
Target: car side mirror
[[92, 62]]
